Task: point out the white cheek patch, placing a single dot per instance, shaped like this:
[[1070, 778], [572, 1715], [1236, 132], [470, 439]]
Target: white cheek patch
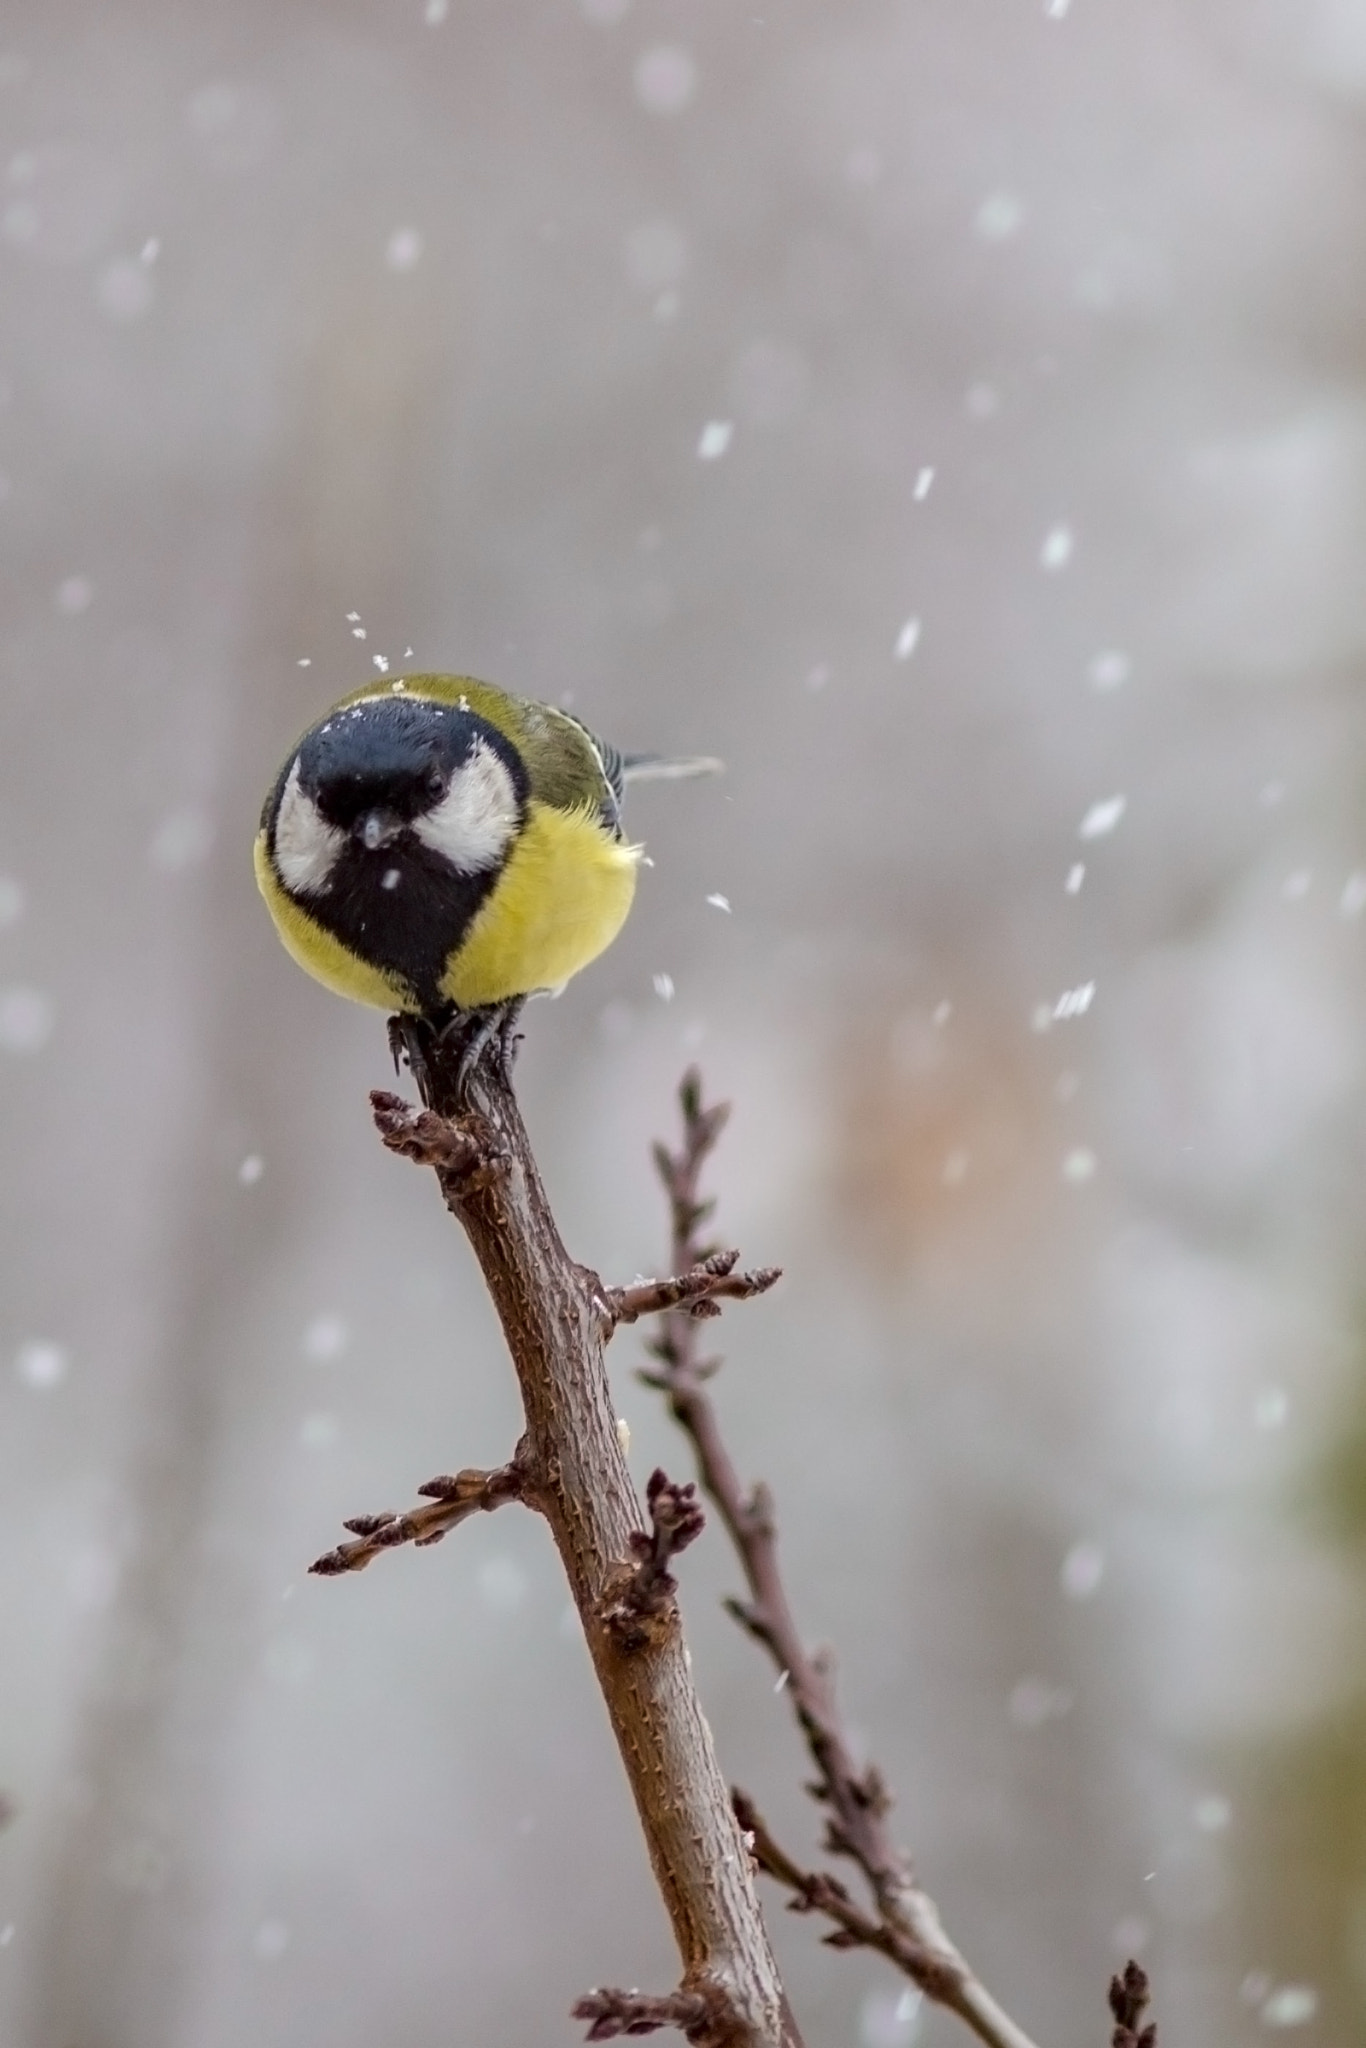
[[306, 846], [478, 815]]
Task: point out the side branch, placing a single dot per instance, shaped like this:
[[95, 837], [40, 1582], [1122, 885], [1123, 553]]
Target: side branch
[[711, 1280], [614, 2013], [904, 1923], [451, 1501]]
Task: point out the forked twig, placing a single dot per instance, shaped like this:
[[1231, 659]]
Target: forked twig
[[904, 1923]]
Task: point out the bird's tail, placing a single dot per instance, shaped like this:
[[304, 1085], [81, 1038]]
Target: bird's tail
[[659, 768]]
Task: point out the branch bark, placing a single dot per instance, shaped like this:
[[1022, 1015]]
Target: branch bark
[[573, 1469], [905, 1924]]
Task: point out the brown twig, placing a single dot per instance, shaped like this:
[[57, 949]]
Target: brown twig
[[646, 1595], [1128, 2002], [910, 1931], [711, 1280], [614, 2013], [574, 1472], [451, 1501]]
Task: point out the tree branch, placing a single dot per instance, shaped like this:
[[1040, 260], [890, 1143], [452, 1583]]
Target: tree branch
[[452, 1500], [905, 1922], [713, 1279], [1128, 2003], [573, 1470], [614, 2013]]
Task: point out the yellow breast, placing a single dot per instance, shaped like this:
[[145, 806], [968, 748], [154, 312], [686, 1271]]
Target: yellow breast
[[560, 901]]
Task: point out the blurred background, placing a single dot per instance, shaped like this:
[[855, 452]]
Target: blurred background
[[954, 414]]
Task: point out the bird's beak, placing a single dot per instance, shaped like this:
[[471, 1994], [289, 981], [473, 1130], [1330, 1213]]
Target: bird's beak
[[377, 828]]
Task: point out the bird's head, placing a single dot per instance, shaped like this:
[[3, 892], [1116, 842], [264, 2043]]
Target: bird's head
[[393, 779]]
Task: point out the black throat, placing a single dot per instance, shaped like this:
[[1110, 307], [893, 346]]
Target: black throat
[[405, 910]]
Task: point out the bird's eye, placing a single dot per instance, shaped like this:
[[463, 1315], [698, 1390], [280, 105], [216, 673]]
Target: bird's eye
[[436, 784]]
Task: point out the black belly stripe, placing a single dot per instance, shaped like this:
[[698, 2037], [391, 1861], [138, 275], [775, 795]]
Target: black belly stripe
[[412, 928]]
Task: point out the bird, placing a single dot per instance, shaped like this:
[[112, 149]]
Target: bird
[[442, 849]]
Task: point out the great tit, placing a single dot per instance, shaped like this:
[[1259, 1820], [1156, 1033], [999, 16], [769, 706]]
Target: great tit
[[434, 845]]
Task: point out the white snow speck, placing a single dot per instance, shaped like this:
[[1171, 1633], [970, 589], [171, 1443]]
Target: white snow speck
[[6, 1934], [1074, 1002], [666, 79], [319, 1431], [75, 594], [181, 841], [11, 901], [1083, 1568], [718, 901], [715, 439], [1293, 2005], [818, 677], [270, 1940], [358, 632], [889, 2018], [1271, 1408], [251, 1169], [1076, 875], [1102, 817], [26, 1019], [664, 987], [982, 402], [353, 618], [403, 250], [1353, 898], [1056, 551], [41, 1365], [907, 639], [1295, 887], [923, 479], [955, 1169], [624, 1435], [435, 12], [1130, 1936], [1079, 1167], [325, 1339], [304, 661], [503, 1585], [1033, 1702], [1109, 669], [1054, 10], [999, 216], [150, 250], [1213, 1813], [391, 878], [941, 1014]]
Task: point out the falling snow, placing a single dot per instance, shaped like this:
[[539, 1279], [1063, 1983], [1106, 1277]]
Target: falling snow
[[27, 1018], [1102, 817], [666, 79], [1074, 1002], [1083, 1568], [907, 640], [715, 439], [1056, 551], [41, 1365]]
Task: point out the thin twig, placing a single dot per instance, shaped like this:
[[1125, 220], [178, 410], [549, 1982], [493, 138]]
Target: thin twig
[[614, 2013], [857, 1800], [713, 1279], [451, 1501], [1128, 2003]]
